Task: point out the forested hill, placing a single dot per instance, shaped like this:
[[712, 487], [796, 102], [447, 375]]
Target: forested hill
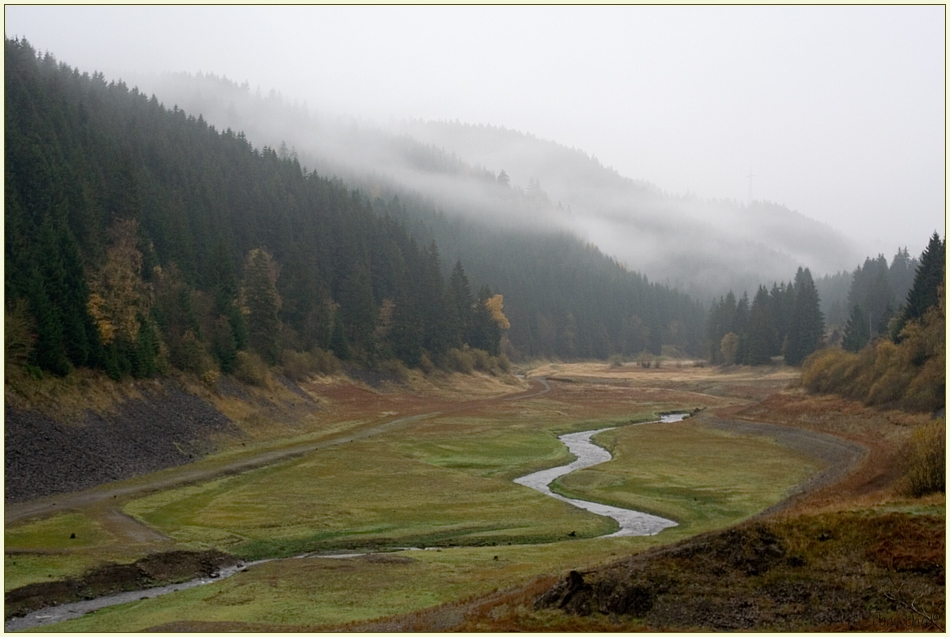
[[699, 246], [139, 236], [135, 233]]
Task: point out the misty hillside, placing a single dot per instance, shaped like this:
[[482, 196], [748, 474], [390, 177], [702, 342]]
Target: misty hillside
[[703, 247], [140, 238]]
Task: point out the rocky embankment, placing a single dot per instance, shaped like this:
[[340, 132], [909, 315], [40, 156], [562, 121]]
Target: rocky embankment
[[166, 427]]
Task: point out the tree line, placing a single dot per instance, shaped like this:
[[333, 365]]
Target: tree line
[[139, 238], [878, 288], [903, 365], [785, 320]]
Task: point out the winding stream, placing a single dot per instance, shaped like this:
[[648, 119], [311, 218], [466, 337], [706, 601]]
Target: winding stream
[[588, 454]]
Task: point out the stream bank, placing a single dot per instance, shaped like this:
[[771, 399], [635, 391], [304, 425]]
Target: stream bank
[[588, 454]]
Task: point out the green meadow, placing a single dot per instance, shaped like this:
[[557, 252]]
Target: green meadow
[[443, 484]]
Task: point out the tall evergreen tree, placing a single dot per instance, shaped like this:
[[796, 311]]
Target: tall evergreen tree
[[761, 332], [460, 304], [807, 324], [358, 310], [857, 331], [923, 295], [262, 304], [486, 333]]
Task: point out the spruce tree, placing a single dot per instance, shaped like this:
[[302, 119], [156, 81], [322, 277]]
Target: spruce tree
[[486, 334], [923, 295], [460, 304], [761, 332], [806, 328], [857, 331], [262, 304]]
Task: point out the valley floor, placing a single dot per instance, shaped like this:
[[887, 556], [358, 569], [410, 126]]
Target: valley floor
[[338, 466]]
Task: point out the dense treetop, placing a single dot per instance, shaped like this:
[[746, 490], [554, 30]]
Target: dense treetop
[[139, 237]]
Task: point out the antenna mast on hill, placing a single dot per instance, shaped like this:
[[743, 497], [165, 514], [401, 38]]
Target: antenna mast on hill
[[750, 177]]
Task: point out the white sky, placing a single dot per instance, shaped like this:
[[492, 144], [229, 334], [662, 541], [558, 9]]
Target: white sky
[[838, 112]]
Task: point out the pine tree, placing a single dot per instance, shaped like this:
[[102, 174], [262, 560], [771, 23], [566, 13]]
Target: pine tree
[[358, 309], [486, 333], [857, 331], [435, 309], [262, 304], [923, 295], [460, 304], [761, 332], [807, 324], [740, 327]]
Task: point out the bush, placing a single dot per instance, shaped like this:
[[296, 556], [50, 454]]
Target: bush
[[325, 363], [615, 360], [482, 360], [395, 367], [826, 371], [192, 356], [251, 369], [425, 363], [457, 360], [645, 359], [297, 365], [926, 459], [18, 335]]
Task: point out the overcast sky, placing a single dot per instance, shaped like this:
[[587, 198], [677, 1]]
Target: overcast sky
[[836, 112]]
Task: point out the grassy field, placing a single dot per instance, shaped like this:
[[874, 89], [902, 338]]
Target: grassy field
[[700, 477], [442, 481]]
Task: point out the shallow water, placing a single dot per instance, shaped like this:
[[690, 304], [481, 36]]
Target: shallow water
[[62, 612], [588, 454]]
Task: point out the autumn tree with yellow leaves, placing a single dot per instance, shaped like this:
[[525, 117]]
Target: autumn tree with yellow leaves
[[120, 304]]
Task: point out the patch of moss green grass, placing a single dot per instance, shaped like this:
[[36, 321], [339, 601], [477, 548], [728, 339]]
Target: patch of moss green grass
[[314, 592], [48, 551], [22, 569], [482, 448], [700, 477]]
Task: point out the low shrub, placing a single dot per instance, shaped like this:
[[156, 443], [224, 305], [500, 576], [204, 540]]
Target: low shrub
[[191, 355], [426, 364], [482, 360], [645, 359], [394, 367], [925, 459], [457, 360], [297, 365], [251, 369]]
